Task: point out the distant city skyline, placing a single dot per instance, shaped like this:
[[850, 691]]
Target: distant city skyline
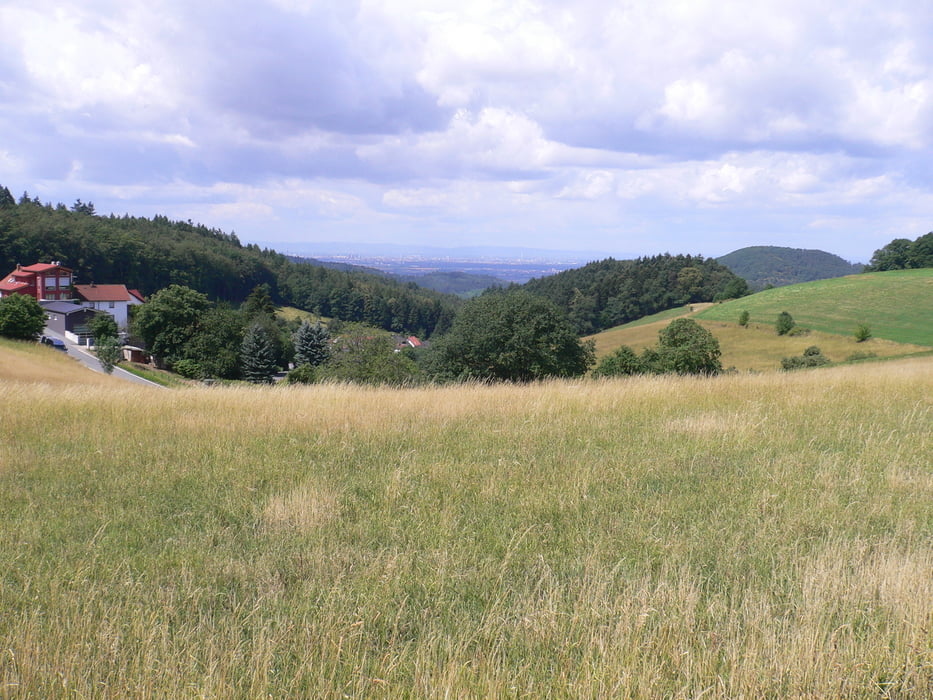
[[625, 127]]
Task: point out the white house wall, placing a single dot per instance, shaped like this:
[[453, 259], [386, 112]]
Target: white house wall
[[118, 310]]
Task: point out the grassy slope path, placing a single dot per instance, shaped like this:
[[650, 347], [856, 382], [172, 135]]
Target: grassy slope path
[[896, 305]]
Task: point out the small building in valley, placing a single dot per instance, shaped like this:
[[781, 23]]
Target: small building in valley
[[114, 299], [69, 319]]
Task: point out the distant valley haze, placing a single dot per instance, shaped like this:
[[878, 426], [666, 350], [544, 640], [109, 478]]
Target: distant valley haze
[[508, 264]]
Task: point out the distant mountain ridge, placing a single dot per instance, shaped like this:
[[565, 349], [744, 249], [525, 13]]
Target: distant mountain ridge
[[775, 266]]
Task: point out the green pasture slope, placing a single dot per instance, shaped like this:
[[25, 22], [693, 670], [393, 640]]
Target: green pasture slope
[[897, 305]]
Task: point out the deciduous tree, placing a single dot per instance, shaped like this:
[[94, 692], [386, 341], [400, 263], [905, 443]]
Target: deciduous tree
[[169, 320], [686, 347], [21, 317], [512, 336], [108, 354], [620, 363], [367, 356], [103, 326], [785, 323]]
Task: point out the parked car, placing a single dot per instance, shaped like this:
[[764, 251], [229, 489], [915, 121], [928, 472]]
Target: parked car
[[54, 342]]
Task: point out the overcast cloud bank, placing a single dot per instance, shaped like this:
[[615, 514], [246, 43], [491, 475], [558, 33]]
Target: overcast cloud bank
[[630, 127]]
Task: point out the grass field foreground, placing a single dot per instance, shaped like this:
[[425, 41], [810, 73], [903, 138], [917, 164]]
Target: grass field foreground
[[743, 536]]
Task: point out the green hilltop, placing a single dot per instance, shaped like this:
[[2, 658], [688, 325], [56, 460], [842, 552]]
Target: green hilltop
[[777, 266], [896, 305]]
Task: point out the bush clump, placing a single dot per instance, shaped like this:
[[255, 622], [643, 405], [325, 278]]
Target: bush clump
[[684, 347], [811, 357], [784, 324], [189, 369], [623, 362], [302, 374], [862, 332]]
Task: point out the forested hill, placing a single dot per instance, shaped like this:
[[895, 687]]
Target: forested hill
[[765, 265], [611, 292], [150, 254]]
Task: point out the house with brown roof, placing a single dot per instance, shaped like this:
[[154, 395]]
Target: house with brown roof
[[42, 281], [115, 299]]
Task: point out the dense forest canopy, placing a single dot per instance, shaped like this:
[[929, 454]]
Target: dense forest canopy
[[612, 292], [151, 254], [903, 254]]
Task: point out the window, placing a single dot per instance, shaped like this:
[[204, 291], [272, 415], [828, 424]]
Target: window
[[112, 304]]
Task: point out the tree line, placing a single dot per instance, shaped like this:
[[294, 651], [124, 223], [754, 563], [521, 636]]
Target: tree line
[[903, 254]]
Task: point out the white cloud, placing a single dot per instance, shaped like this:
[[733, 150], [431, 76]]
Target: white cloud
[[520, 115], [79, 59], [492, 140], [688, 101], [589, 185], [458, 199]]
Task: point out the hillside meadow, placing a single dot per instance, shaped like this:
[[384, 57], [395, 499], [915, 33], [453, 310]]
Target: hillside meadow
[[744, 536], [897, 305], [757, 347]]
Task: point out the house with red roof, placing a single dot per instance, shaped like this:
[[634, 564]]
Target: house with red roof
[[115, 299], [401, 342], [42, 281]]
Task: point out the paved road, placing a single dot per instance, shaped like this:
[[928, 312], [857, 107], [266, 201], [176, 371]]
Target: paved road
[[89, 360]]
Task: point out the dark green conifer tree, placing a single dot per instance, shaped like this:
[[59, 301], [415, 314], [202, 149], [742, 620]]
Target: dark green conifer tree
[[312, 344], [257, 355]]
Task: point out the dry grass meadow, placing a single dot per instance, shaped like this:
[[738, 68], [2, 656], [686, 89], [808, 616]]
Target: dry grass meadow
[[764, 535]]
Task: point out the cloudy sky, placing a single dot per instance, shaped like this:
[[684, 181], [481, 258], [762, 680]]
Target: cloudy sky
[[623, 126]]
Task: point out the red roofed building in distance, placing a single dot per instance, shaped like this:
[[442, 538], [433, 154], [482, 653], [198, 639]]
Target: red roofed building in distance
[[115, 299], [42, 281]]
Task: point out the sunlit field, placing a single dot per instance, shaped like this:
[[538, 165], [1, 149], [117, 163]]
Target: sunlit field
[[897, 305], [744, 536], [757, 348]]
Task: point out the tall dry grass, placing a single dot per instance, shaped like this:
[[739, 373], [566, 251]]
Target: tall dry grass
[[26, 362], [746, 536]]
